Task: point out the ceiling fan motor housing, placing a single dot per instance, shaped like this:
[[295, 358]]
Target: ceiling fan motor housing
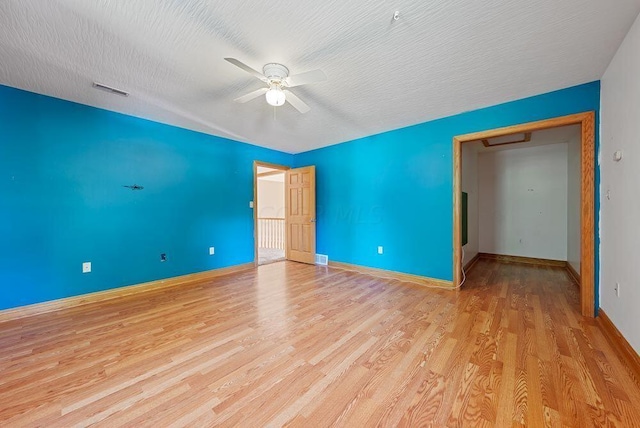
[[275, 72]]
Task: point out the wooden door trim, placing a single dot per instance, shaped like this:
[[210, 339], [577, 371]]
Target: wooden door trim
[[587, 210], [256, 164]]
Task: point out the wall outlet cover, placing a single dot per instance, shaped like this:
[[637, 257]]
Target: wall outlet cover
[[86, 267]]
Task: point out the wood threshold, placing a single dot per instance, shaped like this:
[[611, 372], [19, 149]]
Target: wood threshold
[[100, 296], [625, 351], [389, 274], [523, 260], [586, 121]]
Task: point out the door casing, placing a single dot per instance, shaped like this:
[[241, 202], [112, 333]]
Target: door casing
[[587, 196]]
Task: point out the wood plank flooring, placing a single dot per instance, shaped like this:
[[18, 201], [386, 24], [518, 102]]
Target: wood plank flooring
[[297, 345]]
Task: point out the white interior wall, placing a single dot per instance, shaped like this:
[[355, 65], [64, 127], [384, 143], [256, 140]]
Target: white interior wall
[[469, 184], [573, 202], [270, 198], [523, 202], [620, 234]]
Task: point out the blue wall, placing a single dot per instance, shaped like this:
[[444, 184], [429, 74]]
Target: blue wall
[[62, 168], [63, 165], [395, 189]]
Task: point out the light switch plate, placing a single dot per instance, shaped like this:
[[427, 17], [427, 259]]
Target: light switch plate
[[212, 251], [380, 249], [86, 267]]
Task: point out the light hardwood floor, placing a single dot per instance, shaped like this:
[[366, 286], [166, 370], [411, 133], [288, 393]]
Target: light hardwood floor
[[310, 346]]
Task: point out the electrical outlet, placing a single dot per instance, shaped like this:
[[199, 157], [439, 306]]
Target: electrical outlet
[[163, 257], [380, 249], [250, 204], [212, 251], [617, 289], [86, 267]]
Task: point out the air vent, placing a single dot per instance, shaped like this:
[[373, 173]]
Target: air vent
[[110, 89], [322, 259]]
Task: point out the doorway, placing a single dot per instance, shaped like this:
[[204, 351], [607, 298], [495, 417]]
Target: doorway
[[284, 215], [585, 205], [269, 213]]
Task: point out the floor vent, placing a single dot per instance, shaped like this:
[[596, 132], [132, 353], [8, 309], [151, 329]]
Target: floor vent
[[322, 259]]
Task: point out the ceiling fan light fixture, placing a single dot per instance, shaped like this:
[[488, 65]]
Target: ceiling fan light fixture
[[275, 96], [276, 76]]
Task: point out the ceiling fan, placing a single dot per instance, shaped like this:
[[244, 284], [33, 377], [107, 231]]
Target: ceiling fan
[[277, 77]]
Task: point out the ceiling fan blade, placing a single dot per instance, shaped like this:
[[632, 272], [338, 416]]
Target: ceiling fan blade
[[251, 95], [306, 78], [296, 102], [246, 68]]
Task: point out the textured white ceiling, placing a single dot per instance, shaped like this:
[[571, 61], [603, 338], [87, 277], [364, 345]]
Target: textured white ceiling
[[440, 58]]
